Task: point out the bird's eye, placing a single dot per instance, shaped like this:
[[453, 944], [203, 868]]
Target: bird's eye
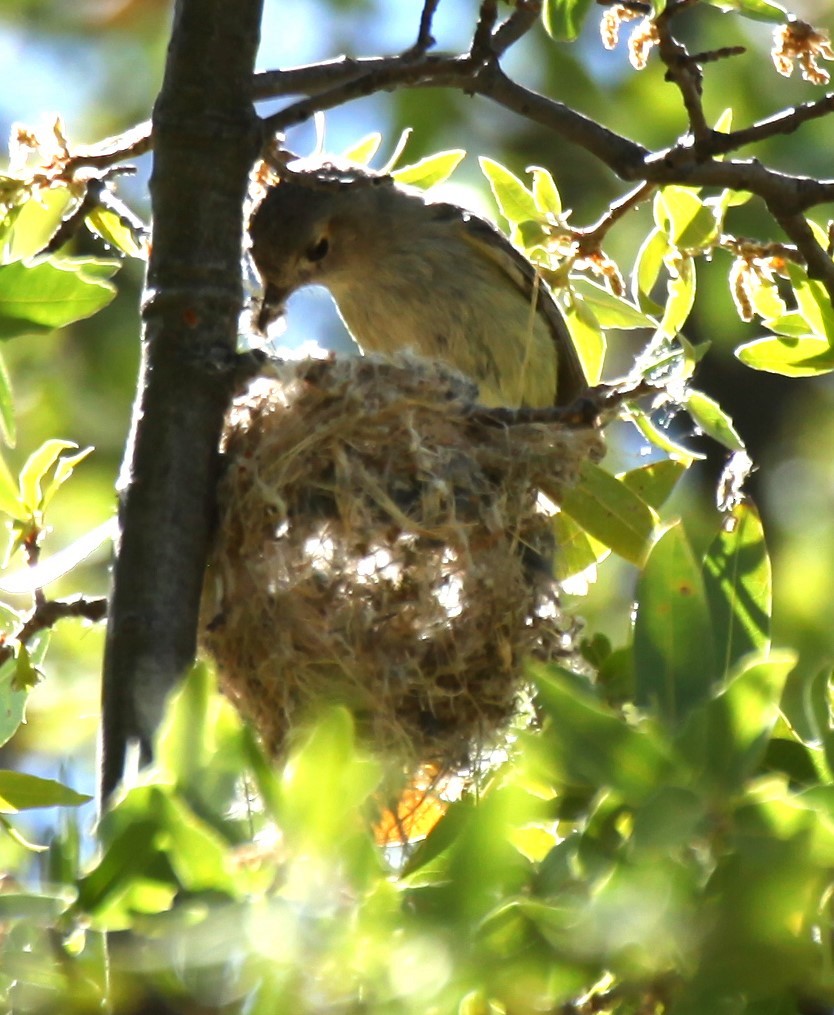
[[319, 249]]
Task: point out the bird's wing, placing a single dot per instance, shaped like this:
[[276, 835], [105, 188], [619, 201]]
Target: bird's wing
[[491, 242]]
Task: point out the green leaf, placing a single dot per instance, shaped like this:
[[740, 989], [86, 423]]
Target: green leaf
[[792, 357], [611, 513], [7, 420], [430, 171], [790, 324], [183, 748], [202, 747], [586, 744], [723, 125], [440, 838], [545, 192], [587, 336], [399, 148], [738, 583], [115, 230], [363, 150], [768, 304], [324, 782], [26, 674], [63, 470], [10, 502], [757, 10], [13, 698], [793, 759], [35, 469], [655, 482], [129, 853], [650, 259], [611, 311], [726, 739], [198, 855], [575, 553], [712, 420], [21, 792], [688, 222], [563, 19], [813, 302], [37, 299], [673, 640], [43, 908], [680, 289], [661, 439], [33, 223], [668, 821], [97, 268], [616, 676], [515, 202]]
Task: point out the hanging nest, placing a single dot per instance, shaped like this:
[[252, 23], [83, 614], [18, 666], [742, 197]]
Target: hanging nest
[[381, 544]]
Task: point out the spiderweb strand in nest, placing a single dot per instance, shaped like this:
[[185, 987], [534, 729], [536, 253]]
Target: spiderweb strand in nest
[[380, 546]]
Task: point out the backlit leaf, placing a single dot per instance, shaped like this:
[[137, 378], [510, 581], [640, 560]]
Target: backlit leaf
[[545, 192], [430, 171], [37, 299], [21, 792], [655, 482], [737, 578], [515, 202], [711, 418], [563, 19], [611, 513], [674, 656], [363, 150], [792, 357]]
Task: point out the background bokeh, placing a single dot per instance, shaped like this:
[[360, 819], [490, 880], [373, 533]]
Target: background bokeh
[[98, 64]]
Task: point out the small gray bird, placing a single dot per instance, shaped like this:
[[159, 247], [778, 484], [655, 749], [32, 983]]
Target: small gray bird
[[409, 274]]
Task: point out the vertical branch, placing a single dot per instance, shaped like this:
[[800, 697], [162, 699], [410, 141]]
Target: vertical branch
[[205, 139]]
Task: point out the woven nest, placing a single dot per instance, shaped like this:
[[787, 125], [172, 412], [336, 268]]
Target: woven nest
[[380, 546]]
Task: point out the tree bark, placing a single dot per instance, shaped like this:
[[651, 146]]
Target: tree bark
[[206, 137]]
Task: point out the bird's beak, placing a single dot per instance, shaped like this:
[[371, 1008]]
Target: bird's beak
[[272, 306]]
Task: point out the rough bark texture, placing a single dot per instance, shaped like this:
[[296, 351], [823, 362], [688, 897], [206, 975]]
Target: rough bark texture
[[205, 139]]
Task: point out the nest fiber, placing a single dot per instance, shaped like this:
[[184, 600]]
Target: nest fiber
[[381, 544]]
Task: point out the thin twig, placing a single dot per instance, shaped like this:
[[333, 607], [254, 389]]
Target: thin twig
[[47, 614], [684, 72], [425, 40], [129, 145], [586, 410], [315, 78], [590, 239], [482, 37], [385, 75], [817, 260], [517, 25], [624, 157], [32, 551], [714, 55], [785, 122]]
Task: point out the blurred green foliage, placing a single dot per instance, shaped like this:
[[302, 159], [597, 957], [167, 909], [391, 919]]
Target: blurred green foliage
[[662, 838]]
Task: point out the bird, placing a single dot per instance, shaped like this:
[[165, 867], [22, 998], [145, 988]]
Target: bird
[[409, 273]]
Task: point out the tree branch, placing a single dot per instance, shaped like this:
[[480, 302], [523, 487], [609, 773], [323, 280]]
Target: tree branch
[[817, 260], [46, 615], [206, 137], [782, 123], [690, 162], [425, 40], [684, 72]]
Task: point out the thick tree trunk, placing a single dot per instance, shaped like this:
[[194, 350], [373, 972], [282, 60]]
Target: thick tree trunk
[[205, 139]]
